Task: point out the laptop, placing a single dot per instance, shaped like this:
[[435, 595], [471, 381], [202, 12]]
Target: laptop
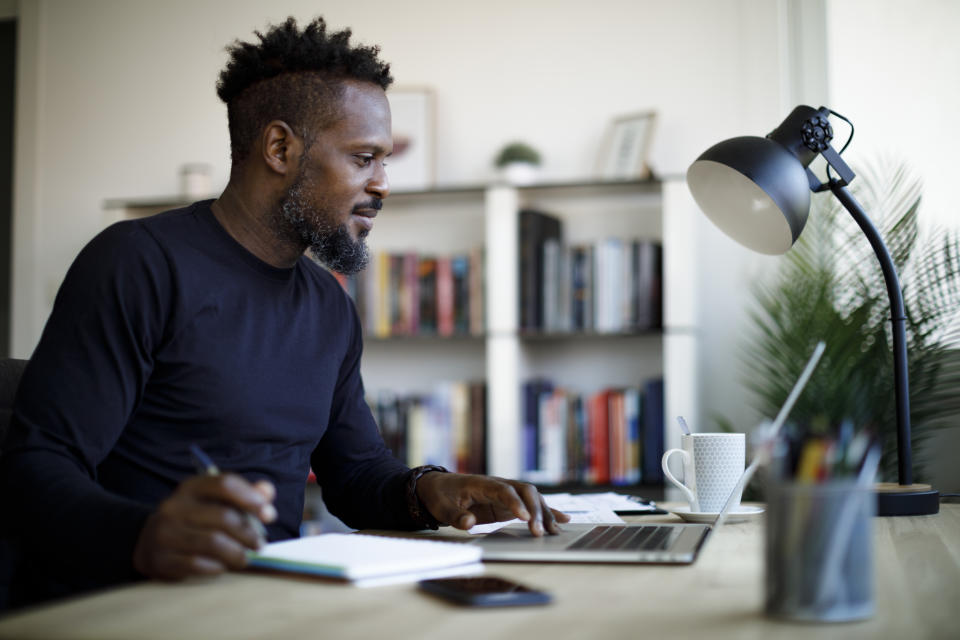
[[598, 543]]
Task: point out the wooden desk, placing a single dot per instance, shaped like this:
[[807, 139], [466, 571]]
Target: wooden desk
[[720, 596]]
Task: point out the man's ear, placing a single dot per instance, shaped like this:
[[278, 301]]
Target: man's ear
[[281, 148]]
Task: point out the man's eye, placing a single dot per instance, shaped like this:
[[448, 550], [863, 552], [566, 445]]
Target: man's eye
[[365, 160]]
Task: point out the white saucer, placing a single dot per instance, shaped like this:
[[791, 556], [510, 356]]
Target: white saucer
[[741, 513]]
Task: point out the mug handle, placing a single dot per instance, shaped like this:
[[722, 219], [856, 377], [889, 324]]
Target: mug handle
[[691, 498]]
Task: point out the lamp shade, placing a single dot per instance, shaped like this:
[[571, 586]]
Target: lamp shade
[[755, 190]]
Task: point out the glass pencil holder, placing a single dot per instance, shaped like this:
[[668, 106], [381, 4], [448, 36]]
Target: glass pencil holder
[[819, 551]]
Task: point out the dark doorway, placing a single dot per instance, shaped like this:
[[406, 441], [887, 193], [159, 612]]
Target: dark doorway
[[8, 66]]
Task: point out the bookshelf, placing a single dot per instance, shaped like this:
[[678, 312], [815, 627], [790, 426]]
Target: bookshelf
[[458, 219]]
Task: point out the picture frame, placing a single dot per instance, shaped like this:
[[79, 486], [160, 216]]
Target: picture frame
[[623, 156], [411, 167]]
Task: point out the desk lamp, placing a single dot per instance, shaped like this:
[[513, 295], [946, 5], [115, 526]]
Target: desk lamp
[[757, 190]]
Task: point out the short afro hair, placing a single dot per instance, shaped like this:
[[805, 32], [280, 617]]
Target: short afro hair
[[292, 75]]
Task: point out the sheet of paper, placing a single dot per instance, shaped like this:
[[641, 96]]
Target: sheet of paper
[[618, 501], [580, 508]]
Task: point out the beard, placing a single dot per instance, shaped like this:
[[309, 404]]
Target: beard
[[313, 226]]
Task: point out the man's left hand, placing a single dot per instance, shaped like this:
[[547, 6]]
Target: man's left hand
[[465, 500]]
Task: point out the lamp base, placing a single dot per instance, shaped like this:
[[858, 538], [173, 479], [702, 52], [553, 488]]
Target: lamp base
[[906, 499]]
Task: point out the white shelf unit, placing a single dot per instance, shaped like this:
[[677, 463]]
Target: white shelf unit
[[454, 220]]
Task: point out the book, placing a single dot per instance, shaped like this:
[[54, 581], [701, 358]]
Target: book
[[652, 432], [382, 325], [460, 269], [444, 296], [410, 295], [634, 445], [367, 560], [647, 297], [477, 456], [427, 286], [552, 436], [550, 285], [531, 422], [397, 295], [599, 437], [616, 420], [459, 394], [476, 283], [535, 229]]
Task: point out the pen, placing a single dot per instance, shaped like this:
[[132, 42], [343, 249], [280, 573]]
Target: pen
[[206, 466]]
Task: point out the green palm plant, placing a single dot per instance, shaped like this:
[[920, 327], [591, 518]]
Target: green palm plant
[[830, 287]]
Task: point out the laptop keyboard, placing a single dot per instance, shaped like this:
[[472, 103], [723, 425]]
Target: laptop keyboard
[[620, 537]]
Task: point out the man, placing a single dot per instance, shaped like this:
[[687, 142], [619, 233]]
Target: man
[[207, 326]]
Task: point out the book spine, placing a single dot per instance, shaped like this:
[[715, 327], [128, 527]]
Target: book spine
[[632, 411], [535, 229], [427, 275], [577, 289], [648, 298], [477, 280], [460, 267], [383, 295], [532, 390], [552, 418], [550, 284], [600, 438], [618, 440], [444, 297], [653, 432], [478, 429], [416, 433], [460, 424], [411, 295], [397, 283]]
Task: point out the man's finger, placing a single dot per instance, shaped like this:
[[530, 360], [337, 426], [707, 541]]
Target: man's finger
[[505, 494], [532, 501], [212, 544], [233, 490], [465, 521], [549, 520], [176, 566], [560, 515], [222, 518]]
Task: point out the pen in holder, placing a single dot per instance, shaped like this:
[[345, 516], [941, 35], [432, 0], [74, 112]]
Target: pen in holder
[[819, 542]]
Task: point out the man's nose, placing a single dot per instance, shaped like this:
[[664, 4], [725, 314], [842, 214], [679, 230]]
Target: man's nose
[[379, 185]]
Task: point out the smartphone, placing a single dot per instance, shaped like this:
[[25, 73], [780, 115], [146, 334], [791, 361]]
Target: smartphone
[[484, 591]]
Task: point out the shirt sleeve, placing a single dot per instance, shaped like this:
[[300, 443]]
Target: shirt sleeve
[[363, 484], [79, 389]]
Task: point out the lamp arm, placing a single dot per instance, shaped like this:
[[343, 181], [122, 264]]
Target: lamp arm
[[898, 318]]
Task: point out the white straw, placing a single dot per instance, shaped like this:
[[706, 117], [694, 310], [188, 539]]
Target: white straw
[[762, 453]]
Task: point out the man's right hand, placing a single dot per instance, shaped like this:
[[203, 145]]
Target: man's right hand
[[203, 528]]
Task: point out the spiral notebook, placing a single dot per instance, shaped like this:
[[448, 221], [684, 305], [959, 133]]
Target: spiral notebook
[[368, 560]]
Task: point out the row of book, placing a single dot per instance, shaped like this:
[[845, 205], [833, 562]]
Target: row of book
[[411, 294], [446, 427], [612, 436], [608, 286]]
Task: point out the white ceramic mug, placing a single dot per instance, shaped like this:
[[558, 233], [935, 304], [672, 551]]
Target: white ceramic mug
[[712, 465]]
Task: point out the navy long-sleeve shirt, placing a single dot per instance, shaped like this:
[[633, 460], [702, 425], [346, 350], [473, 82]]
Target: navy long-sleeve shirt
[[167, 332]]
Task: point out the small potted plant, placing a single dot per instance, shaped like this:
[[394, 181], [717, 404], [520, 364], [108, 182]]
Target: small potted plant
[[518, 163]]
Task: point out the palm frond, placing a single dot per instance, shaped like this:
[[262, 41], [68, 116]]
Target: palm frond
[[830, 287]]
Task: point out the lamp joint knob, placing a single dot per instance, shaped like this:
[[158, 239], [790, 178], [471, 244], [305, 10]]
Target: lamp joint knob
[[816, 133]]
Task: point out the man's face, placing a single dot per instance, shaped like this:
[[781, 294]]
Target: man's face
[[341, 181]]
